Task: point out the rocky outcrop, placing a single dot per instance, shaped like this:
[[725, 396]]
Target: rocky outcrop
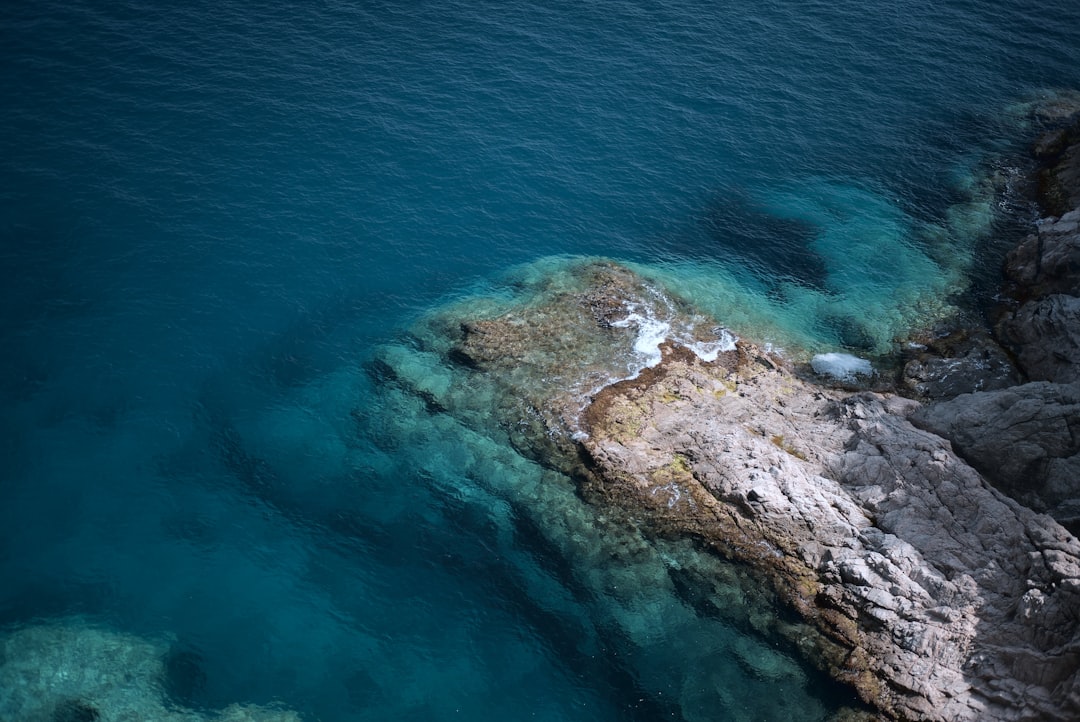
[[945, 599], [1046, 336], [961, 361], [1058, 152], [1026, 440], [1043, 272], [930, 592], [1044, 331]]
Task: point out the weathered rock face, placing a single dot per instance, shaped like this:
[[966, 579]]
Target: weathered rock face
[[474, 375], [1048, 260], [1044, 331], [1044, 270], [1046, 336], [1059, 152], [1026, 440], [945, 599]]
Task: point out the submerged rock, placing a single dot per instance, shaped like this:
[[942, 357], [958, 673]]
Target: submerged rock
[[72, 672]]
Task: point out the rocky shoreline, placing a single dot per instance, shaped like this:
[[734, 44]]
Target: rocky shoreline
[[921, 526], [915, 537], [940, 597], [879, 518]]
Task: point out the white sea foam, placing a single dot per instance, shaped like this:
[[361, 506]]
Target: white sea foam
[[708, 351], [651, 333], [842, 366], [654, 330]]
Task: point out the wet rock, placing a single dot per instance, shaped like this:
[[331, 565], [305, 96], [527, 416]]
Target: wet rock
[[1048, 261], [1058, 149], [961, 362]]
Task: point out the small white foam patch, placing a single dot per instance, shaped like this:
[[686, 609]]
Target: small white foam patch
[[841, 366], [708, 350]]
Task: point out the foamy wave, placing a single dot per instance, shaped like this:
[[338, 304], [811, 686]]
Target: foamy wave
[[651, 333], [654, 330]]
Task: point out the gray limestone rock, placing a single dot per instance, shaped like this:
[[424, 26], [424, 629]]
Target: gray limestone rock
[[1025, 440]]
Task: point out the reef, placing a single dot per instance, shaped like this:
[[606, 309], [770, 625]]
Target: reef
[[70, 671]]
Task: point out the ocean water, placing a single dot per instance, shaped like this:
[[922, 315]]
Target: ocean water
[[221, 220]]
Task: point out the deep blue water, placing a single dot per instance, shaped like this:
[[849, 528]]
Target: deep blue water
[[213, 213]]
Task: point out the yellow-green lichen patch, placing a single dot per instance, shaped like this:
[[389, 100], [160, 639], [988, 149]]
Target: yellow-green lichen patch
[[780, 442]]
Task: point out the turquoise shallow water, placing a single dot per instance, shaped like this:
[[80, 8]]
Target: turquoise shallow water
[[214, 214]]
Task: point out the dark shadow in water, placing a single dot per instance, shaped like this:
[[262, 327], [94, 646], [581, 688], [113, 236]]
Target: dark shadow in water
[[848, 332], [75, 710], [185, 676], [734, 227], [20, 603]]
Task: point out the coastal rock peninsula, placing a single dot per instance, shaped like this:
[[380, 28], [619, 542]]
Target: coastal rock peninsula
[[933, 594], [915, 539], [1025, 438]]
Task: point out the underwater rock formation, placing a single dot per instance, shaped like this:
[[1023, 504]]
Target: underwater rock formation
[[72, 672]]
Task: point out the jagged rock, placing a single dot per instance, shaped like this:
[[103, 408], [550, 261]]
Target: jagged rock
[[1026, 440], [1058, 149], [871, 528], [665, 607], [1048, 261], [931, 593], [1044, 270], [1045, 334]]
